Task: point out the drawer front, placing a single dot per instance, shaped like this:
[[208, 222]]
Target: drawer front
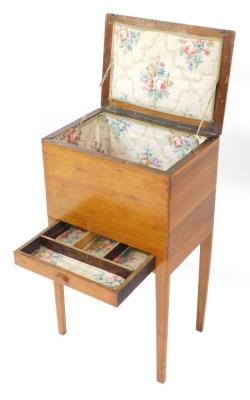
[[93, 264]]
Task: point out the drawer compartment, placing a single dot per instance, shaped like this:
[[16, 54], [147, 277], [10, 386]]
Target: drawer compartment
[[80, 259]]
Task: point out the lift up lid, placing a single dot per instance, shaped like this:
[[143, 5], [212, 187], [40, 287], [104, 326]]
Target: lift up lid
[[176, 73]]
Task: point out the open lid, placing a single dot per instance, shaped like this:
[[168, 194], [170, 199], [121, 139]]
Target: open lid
[[175, 72]]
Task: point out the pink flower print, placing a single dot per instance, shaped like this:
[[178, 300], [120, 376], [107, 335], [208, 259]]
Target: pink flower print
[[161, 85], [97, 147], [107, 245], [206, 51], [64, 234], [189, 46], [159, 62], [156, 80], [194, 49], [109, 276], [149, 85], [122, 126], [127, 38], [72, 135], [144, 159], [118, 126], [177, 140], [123, 34], [147, 157]]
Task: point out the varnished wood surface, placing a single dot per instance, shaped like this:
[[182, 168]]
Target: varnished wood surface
[[134, 280], [110, 197], [205, 261], [85, 285], [191, 231], [162, 284], [192, 203], [60, 307], [192, 183], [133, 205], [67, 278]]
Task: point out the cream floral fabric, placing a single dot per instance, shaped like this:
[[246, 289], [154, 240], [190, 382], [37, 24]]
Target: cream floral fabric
[[78, 267], [171, 72], [132, 140]]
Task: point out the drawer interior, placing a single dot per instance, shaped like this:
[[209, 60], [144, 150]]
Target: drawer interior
[[96, 259]]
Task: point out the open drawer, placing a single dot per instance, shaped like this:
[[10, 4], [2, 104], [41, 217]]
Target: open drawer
[[93, 264]]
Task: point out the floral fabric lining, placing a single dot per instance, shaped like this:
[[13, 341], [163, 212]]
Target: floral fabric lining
[[132, 140], [78, 267], [100, 246], [174, 73], [131, 258], [71, 235]]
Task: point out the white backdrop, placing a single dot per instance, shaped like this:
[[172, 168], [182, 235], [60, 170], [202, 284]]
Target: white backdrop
[[51, 66]]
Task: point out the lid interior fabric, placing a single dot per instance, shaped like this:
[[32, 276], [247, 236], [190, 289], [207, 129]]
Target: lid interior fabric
[[170, 72]]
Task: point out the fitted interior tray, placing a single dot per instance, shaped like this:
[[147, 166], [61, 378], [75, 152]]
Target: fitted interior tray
[[96, 265]]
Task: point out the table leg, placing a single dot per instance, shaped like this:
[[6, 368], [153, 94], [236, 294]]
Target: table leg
[[60, 307], [162, 276], [205, 260]]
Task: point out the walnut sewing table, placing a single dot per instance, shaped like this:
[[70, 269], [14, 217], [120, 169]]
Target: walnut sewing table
[[103, 174]]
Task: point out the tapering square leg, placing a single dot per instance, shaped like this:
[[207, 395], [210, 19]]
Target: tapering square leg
[[60, 307], [162, 276], [205, 261]]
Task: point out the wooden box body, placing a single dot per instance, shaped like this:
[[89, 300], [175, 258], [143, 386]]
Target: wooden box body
[[155, 211]]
